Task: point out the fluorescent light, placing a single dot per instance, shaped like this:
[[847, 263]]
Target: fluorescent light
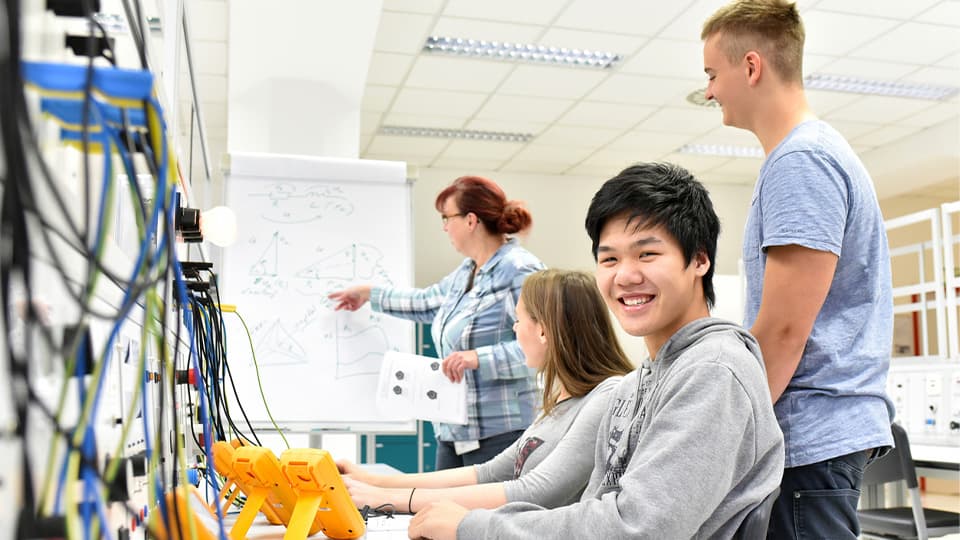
[[469, 134], [842, 83], [521, 52], [727, 150]]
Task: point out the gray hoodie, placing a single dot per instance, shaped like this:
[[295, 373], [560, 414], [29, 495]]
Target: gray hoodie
[[688, 447]]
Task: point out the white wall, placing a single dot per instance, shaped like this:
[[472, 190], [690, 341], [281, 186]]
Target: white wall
[[559, 205]]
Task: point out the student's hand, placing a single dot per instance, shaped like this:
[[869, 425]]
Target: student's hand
[[454, 365], [351, 469], [437, 521], [365, 494], [351, 299]]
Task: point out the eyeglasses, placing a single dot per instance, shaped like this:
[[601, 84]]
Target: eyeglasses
[[445, 219]]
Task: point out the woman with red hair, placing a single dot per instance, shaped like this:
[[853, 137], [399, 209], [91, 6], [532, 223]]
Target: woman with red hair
[[472, 314]]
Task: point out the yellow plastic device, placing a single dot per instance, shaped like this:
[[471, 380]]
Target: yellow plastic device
[[223, 463], [191, 523], [314, 475], [258, 472]]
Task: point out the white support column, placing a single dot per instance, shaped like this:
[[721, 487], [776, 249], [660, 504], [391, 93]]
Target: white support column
[[296, 73]]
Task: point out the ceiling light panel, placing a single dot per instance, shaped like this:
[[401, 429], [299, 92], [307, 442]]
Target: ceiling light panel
[[521, 52], [725, 150], [465, 134], [855, 85]]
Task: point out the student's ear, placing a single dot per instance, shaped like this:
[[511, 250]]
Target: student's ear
[[752, 64], [543, 336], [701, 263]]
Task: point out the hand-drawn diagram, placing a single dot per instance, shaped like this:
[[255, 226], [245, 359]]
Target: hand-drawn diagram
[[290, 203], [265, 269], [356, 262], [276, 346], [360, 352]]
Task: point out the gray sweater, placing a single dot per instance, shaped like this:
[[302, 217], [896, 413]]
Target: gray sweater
[[550, 463], [688, 447]]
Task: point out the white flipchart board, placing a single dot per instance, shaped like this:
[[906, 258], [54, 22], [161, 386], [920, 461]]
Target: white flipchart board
[[308, 226]]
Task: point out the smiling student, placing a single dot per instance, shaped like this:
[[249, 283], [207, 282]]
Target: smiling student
[[817, 266], [689, 444]]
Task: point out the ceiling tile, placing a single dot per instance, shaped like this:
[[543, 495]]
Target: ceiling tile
[[894, 9], [618, 16], [565, 156], [690, 23], [668, 58], [638, 89], [697, 164], [675, 120], [951, 61], [868, 69], [594, 114], [524, 108], [728, 135], [436, 102], [592, 41], [388, 68], [648, 144], [402, 32], [594, 170], [873, 108], [812, 63], [415, 6], [506, 125], [485, 30], [583, 137], [934, 115], [467, 166], [884, 135], [482, 150], [839, 33], [407, 146], [852, 130], [714, 177], [377, 98], [928, 44], [942, 13], [610, 162], [746, 168], [528, 11], [451, 73], [548, 81], [369, 122], [823, 102], [541, 167], [422, 120], [935, 76]]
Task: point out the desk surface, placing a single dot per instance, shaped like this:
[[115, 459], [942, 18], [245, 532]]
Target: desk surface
[[378, 528], [935, 448]]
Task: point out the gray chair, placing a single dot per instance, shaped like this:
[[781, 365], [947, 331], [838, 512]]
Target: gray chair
[[912, 521], [754, 526]]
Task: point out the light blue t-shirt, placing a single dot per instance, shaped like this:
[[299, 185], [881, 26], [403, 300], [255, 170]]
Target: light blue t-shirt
[[813, 191]]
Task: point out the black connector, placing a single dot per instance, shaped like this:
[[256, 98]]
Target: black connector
[[76, 340], [72, 8], [80, 45], [31, 526], [118, 490], [138, 463]]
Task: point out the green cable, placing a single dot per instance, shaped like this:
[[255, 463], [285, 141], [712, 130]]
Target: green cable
[[253, 353]]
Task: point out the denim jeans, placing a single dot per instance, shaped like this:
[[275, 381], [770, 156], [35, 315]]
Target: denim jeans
[[819, 500], [447, 457]]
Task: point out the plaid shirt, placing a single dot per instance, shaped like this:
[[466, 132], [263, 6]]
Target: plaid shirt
[[502, 392]]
